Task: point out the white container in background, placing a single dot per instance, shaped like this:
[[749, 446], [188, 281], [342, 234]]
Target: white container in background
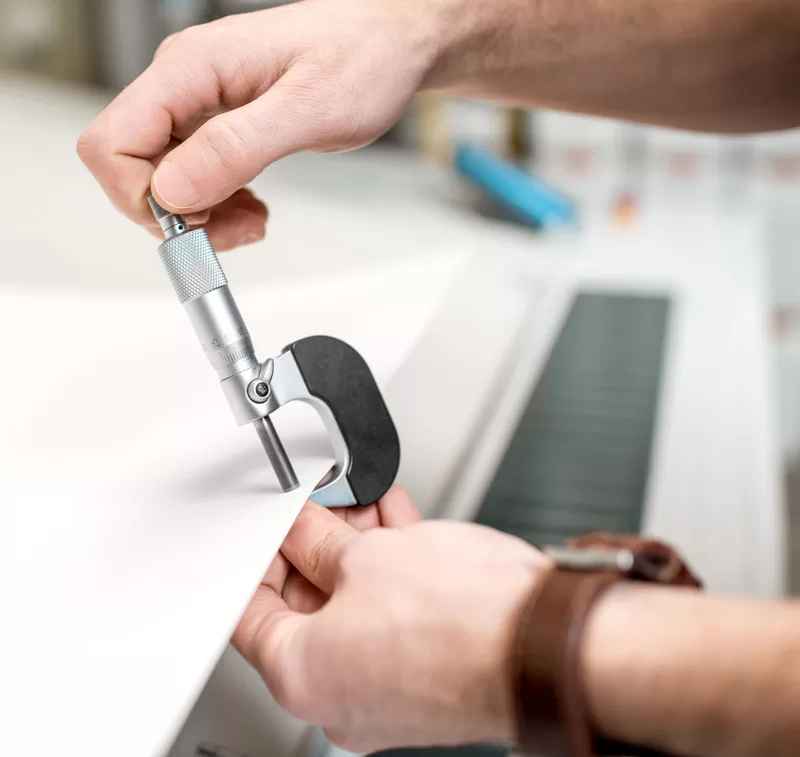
[[777, 163], [683, 170], [777, 193], [579, 155], [738, 187]]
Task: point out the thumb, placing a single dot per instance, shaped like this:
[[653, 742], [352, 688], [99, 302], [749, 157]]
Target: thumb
[[230, 150]]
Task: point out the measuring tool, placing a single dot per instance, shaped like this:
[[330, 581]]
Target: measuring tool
[[320, 370]]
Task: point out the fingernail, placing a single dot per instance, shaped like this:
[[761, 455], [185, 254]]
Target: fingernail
[[174, 186]]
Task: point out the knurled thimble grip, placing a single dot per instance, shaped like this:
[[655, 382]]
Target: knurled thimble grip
[[192, 265], [158, 211]]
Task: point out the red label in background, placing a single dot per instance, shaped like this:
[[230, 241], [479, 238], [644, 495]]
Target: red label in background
[[784, 168], [578, 161], [683, 165]]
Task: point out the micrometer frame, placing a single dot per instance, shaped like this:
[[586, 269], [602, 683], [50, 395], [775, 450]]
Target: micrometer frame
[[286, 385]]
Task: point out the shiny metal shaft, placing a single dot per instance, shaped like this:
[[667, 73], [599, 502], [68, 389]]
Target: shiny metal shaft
[[276, 453]]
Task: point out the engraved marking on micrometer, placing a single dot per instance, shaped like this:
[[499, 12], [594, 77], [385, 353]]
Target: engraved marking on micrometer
[[224, 359], [222, 341]]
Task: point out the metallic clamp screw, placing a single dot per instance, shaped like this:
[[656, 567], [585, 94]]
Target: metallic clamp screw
[[259, 391]]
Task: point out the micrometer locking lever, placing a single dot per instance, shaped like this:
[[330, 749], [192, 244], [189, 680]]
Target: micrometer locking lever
[[321, 371]]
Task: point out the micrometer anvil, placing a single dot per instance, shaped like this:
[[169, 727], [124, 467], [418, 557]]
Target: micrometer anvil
[[322, 371]]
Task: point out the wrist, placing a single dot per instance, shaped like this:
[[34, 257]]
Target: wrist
[[631, 632], [486, 664], [472, 38], [605, 660], [586, 644], [428, 28], [502, 715]]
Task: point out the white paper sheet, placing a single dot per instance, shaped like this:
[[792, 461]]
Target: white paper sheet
[[137, 517]]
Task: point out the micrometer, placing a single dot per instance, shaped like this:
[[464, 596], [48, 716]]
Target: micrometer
[[320, 370]]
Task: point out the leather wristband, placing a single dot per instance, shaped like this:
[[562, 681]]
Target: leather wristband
[[552, 712]]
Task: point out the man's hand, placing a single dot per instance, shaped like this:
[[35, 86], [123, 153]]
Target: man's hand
[[223, 101], [394, 636]]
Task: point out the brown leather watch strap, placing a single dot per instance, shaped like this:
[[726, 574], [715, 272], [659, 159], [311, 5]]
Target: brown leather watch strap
[[653, 560], [552, 712]]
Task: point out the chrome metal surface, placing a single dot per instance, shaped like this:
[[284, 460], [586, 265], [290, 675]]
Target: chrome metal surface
[[259, 392], [202, 288], [288, 386], [244, 409], [192, 265], [222, 332], [591, 559], [264, 378], [171, 224], [277, 454]]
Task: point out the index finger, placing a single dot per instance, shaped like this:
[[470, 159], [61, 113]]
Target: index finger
[[123, 145], [186, 85]]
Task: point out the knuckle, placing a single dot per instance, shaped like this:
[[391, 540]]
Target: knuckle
[[319, 553], [225, 141], [186, 38], [184, 45], [88, 146], [168, 42]]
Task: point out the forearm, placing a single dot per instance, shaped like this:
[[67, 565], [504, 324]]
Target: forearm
[[694, 675], [719, 65]]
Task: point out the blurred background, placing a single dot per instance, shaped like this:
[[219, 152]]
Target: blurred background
[[663, 392]]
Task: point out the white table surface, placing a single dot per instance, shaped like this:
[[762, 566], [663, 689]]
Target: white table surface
[[140, 518]]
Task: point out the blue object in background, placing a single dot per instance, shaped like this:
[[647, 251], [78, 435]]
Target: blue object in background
[[528, 199]]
